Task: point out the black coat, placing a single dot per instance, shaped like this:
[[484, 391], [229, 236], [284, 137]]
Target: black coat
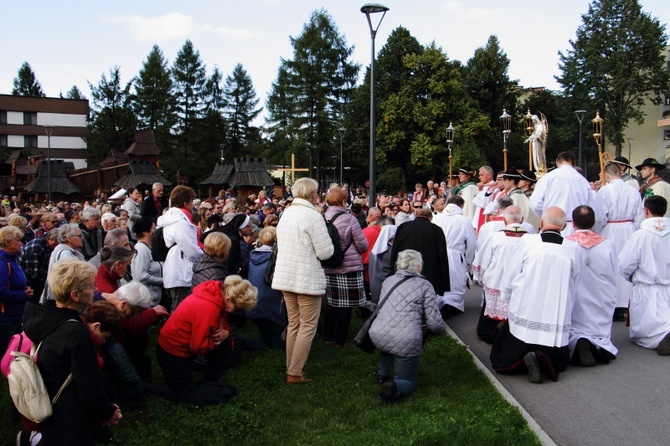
[[68, 347], [423, 236], [93, 241], [149, 209]]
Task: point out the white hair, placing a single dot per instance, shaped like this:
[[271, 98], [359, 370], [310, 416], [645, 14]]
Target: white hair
[[107, 216], [135, 293], [409, 259]]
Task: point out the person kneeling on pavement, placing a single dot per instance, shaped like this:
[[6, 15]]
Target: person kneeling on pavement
[[398, 331], [199, 326]]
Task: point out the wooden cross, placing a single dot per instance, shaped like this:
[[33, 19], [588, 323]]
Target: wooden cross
[[293, 169]]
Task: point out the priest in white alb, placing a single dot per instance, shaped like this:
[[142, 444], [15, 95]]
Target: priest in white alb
[[622, 212], [460, 237], [645, 261], [596, 292], [540, 286], [489, 265]]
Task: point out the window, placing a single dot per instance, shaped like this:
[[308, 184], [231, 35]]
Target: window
[[3, 140], [30, 141], [29, 118], [666, 135], [3, 117]]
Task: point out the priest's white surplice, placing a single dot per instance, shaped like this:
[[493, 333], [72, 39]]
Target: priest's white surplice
[[468, 194], [645, 261], [596, 290], [540, 285]]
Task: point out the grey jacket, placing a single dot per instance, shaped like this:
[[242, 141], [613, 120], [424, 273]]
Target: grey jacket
[[397, 328]]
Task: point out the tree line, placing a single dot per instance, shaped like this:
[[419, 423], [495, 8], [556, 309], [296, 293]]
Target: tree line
[[615, 64]]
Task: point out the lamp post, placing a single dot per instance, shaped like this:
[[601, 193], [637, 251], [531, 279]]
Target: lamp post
[[450, 140], [49, 130], [598, 136], [580, 115], [506, 125], [368, 9], [341, 130], [629, 147]]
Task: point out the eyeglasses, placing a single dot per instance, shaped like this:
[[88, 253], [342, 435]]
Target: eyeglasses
[[416, 207], [77, 235]]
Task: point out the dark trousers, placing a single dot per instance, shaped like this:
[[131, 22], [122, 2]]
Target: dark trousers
[[336, 324], [178, 372], [7, 330]]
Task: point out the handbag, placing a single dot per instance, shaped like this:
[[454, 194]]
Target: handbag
[[362, 338], [270, 270]]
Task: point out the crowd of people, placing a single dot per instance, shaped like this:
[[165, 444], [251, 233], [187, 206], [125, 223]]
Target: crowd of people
[[558, 260]]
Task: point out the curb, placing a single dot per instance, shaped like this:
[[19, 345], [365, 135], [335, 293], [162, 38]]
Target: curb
[[545, 439]]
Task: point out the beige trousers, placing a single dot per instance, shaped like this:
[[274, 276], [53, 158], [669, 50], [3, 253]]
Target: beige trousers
[[303, 317]]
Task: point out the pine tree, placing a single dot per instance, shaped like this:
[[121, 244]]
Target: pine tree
[[616, 64], [241, 102], [25, 83], [153, 100], [319, 81], [112, 122], [75, 93]]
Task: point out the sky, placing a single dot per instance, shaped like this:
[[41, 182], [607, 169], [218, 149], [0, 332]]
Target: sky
[[72, 42]]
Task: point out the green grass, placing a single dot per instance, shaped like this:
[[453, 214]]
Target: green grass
[[454, 404]]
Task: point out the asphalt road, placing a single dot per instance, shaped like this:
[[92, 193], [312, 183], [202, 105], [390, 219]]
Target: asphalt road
[[624, 403]]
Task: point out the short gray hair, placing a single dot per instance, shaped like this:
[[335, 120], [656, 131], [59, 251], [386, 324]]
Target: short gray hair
[[108, 216], [114, 236], [304, 187], [550, 218], [89, 213], [66, 231], [512, 214], [135, 293], [409, 259]]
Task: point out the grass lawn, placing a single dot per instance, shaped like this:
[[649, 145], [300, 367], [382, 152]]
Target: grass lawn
[[454, 404]]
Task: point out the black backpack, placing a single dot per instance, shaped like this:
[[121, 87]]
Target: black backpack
[[337, 258], [159, 250]]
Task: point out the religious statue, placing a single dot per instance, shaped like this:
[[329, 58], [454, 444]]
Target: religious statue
[[538, 139]]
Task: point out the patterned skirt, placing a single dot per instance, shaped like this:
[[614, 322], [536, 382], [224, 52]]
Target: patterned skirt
[[345, 290]]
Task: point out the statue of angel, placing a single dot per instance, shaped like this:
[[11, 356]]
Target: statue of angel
[[538, 139]]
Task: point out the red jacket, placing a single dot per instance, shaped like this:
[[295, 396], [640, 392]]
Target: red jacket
[[188, 331], [105, 280]]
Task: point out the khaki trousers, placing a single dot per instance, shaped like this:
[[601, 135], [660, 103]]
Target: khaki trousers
[[303, 317]]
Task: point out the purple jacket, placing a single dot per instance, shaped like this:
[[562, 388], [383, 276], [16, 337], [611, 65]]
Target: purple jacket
[[348, 227]]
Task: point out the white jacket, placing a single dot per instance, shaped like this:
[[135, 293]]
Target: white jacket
[[302, 240], [178, 267]]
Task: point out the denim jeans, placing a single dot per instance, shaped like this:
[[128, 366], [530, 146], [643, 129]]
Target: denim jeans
[[406, 370]]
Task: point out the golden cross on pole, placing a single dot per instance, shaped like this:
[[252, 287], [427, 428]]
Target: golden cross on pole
[[293, 169]]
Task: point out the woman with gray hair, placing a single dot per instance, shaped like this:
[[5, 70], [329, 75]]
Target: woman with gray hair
[[115, 261], [399, 328], [69, 239]]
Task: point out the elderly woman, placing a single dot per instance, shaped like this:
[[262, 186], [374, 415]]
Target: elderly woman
[[114, 264], [398, 329], [143, 266], [345, 287], [199, 326], [180, 234], [302, 241], [68, 348], [269, 314], [13, 285], [93, 237]]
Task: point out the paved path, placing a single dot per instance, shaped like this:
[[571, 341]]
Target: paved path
[[624, 403]]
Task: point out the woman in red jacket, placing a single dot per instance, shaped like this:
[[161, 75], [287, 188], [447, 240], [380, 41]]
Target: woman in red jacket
[[199, 326]]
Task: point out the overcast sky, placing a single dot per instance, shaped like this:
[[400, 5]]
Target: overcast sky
[[73, 42]]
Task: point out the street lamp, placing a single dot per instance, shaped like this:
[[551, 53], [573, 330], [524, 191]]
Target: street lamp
[[580, 115], [341, 130], [450, 140], [368, 9], [49, 130], [506, 125], [598, 136]]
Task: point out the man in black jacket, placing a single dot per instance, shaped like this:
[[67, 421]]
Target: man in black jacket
[[154, 205]]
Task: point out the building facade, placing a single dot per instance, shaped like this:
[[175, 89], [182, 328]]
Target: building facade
[[32, 124]]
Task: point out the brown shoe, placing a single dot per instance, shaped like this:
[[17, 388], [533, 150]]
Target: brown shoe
[[291, 379]]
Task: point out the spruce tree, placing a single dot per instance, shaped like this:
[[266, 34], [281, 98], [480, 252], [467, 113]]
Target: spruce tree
[[26, 84], [153, 100], [241, 102]]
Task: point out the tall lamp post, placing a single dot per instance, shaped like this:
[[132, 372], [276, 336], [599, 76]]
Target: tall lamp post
[[450, 140], [368, 9], [341, 130], [49, 130], [506, 125], [580, 115], [598, 136]]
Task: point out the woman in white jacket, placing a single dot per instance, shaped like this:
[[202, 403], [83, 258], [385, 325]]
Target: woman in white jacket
[[302, 241], [181, 237]]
